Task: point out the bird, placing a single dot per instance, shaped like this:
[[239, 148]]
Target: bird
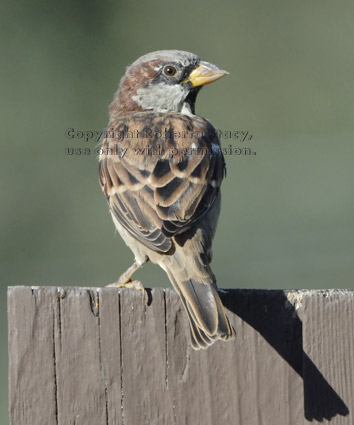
[[160, 169]]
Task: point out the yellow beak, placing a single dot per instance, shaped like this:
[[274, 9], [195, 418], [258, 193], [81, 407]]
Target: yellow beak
[[205, 73]]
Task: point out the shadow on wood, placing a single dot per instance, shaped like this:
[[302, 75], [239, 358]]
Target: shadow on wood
[[275, 318], [88, 356]]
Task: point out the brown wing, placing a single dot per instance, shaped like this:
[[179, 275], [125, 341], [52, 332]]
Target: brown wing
[[160, 173]]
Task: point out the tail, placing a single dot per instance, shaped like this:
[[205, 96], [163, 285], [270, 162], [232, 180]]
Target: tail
[[206, 314]]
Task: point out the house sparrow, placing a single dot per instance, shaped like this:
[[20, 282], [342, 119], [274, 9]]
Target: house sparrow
[[161, 169]]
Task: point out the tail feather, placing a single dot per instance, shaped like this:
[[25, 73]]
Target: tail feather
[[205, 311]]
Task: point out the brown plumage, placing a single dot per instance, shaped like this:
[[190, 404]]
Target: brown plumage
[[161, 169]]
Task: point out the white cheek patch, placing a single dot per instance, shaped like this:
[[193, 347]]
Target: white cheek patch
[[161, 97]]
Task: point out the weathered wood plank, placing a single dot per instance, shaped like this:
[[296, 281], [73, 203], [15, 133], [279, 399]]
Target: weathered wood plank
[[102, 356], [79, 378], [328, 334], [32, 386], [145, 395], [110, 348]]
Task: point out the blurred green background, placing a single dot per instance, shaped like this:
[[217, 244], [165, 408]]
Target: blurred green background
[[287, 212]]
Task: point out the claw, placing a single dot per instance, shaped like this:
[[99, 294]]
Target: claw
[[135, 284], [125, 281]]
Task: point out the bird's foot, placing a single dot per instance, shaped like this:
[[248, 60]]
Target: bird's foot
[[135, 284]]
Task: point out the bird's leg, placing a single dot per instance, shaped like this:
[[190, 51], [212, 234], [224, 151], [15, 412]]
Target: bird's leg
[[125, 281], [127, 275]]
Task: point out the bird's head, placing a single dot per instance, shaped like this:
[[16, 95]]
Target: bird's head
[[163, 81]]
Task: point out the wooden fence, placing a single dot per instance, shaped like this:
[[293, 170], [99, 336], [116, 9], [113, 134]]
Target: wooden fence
[[88, 356]]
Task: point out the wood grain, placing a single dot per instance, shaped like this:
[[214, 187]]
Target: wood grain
[[102, 356]]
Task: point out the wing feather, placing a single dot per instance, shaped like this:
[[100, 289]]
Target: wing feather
[[160, 187]]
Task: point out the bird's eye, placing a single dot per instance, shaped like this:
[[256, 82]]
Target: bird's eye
[[169, 70]]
